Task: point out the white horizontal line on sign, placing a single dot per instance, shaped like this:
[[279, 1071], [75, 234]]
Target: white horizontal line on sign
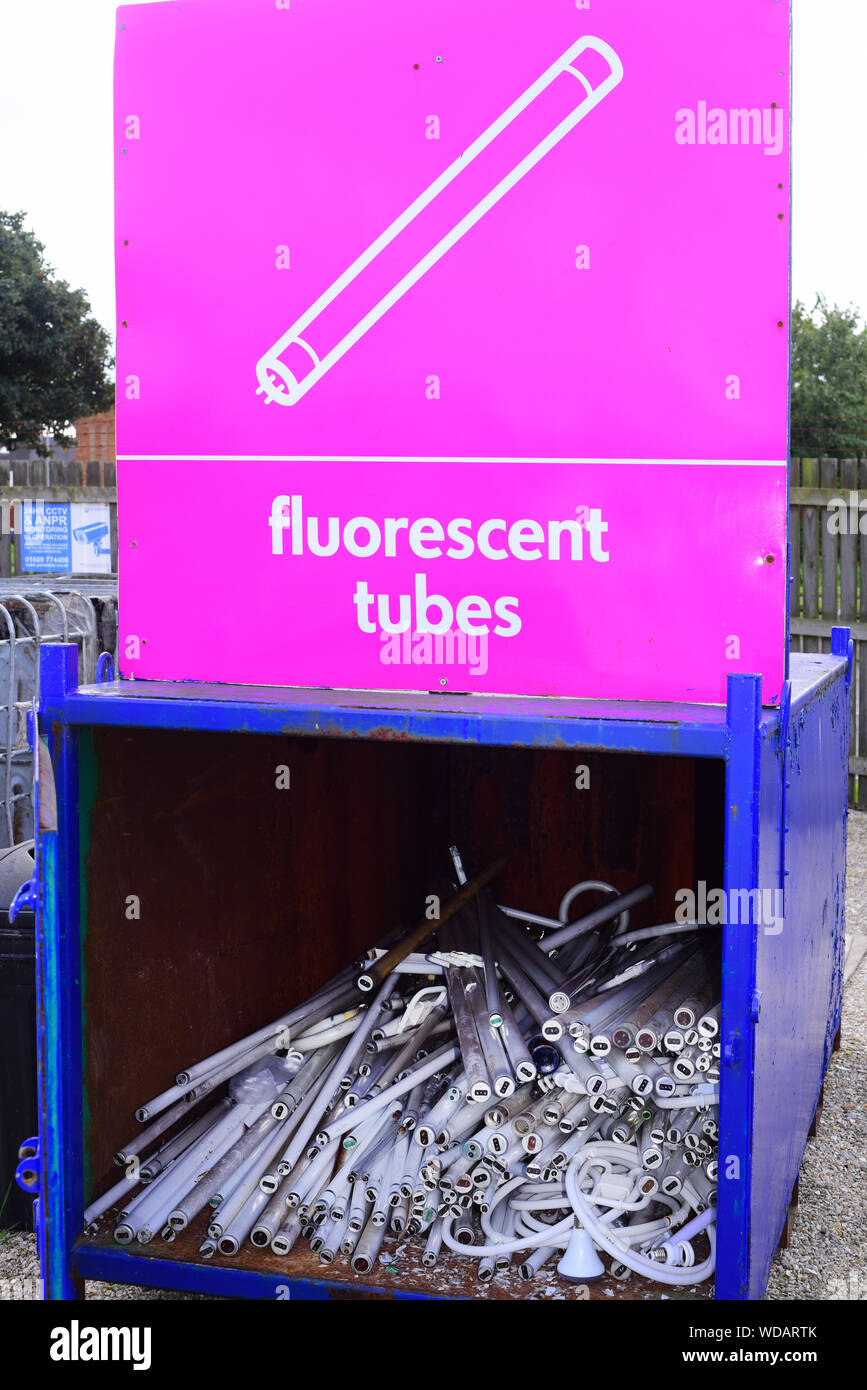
[[435, 458]]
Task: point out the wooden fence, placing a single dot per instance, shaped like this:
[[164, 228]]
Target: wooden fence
[[829, 579], [38, 480]]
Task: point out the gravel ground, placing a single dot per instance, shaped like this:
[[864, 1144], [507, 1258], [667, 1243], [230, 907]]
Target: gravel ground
[[826, 1257], [856, 873]]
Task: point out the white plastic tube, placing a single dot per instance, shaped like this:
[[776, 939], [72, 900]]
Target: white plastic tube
[[553, 1235], [137, 1145], [433, 1244], [309, 1042], [194, 1160], [309, 1183], [703, 1095], [239, 1187], [151, 1215], [431, 1125], [208, 1082], [332, 1078], [267, 1038], [302, 1083], [287, 1235], [123, 1188], [239, 1228], [325, 1025], [368, 1248], [439, 1061]]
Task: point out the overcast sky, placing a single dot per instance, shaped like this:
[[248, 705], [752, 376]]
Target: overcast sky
[[55, 141]]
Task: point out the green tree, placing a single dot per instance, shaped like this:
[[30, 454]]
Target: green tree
[[54, 356], [829, 382]]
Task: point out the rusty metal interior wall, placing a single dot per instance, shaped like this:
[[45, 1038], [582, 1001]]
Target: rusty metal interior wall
[[251, 895]]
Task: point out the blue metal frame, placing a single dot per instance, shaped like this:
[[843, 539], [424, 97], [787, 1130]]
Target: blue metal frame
[[697, 730], [753, 742], [58, 948], [738, 983], [97, 1262]]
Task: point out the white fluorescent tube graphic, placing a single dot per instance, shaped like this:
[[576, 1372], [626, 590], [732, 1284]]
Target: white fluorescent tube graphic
[[328, 329]]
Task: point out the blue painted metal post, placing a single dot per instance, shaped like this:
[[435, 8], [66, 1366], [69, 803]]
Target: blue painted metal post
[[744, 713], [59, 1017], [842, 645]]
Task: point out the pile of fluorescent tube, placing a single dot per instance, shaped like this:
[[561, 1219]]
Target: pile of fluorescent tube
[[517, 1089]]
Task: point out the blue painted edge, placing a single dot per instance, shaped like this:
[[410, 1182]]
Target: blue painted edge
[[547, 725], [59, 1017], [843, 646], [118, 1266], [830, 674], [738, 985], [611, 735], [787, 639], [104, 668], [44, 899], [785, 721]]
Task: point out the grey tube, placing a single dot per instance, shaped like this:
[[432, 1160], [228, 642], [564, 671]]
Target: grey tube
[[545, 975], [137, 1145], [496, 1061], [492, 987], [159, 1161], [522, 1063], [598, 917], [308, 1124], [210, 1184], [535, 1003], [478, 1082], [304, 1079]]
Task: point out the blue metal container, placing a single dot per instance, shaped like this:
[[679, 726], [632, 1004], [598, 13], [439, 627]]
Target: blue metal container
[[165, 795]]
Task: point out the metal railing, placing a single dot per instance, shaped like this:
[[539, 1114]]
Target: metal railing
[[29, 617]]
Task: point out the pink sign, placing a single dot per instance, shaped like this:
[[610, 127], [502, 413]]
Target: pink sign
[[452, 343]]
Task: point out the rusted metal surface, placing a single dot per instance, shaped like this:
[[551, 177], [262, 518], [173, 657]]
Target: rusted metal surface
[[395, 716], [634, 821], [249, 896]]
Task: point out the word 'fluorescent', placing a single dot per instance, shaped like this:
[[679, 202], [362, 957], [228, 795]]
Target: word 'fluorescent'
[[428, 539]]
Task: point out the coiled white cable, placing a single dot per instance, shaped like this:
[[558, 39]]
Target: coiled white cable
[[604, 1237], [599, 1157]]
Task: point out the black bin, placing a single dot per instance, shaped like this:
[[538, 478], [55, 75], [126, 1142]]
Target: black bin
[[18, 1112]]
